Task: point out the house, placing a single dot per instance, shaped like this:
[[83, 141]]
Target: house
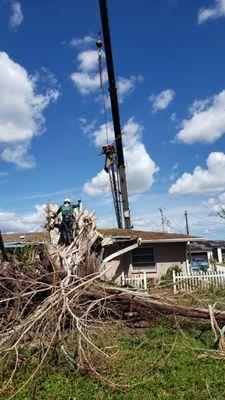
[[158, 251], [208, 250]]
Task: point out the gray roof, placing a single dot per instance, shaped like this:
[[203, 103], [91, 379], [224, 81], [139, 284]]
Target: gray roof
[[207, 245]]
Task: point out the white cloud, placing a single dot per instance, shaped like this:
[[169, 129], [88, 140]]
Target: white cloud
[[221, 197], [203, 181], [105, 222], [18, 155], [217, 10], [98, 185], [85, 82], [88, 60], [80, 42], [172, 176], [207, 122], [21, 110], [162, 100], [173, 117], [213, 204], [174, 172], [16, 17], [199, 105], [99, 135], [11, 222], [140, 167], [175, 166], [87, 79], [50, 196], [85, 126], [126, 86]]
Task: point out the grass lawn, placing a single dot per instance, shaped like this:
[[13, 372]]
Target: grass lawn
[[165, 356]]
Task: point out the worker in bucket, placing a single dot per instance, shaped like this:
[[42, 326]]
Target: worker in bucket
[[68, 219]]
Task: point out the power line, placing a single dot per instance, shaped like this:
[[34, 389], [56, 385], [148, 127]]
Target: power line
[[207, 220], [180, 229], [180, 223]]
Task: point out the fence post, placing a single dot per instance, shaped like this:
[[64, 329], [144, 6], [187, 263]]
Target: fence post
[[123, 279], [174, 282], [145, 281]]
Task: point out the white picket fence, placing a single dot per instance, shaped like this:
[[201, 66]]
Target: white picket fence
[[138, 281], [201, 280], [219, 268]]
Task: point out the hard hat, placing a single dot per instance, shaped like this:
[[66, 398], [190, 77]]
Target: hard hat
[[67, 201]]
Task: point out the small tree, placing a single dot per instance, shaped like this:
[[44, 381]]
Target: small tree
[[221, 211]]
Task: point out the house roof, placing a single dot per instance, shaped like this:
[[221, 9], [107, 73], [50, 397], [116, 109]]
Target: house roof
[[110, 232], [199, 247], [216, 243], [145, 235], [207, 245], [25, 237]]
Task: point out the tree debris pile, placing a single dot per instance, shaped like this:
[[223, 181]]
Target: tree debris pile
[[59, 307]]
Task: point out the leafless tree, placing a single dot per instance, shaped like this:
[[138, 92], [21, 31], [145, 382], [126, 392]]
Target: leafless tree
[[221, 211]]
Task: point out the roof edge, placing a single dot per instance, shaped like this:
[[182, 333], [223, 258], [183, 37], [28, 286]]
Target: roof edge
[[176, 240]]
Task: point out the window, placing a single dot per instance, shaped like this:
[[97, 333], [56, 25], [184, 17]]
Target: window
[[143, 257]]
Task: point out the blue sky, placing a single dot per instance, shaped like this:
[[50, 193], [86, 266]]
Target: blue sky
[[169, 58]]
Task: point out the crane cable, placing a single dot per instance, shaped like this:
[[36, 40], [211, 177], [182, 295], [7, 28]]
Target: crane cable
[[99, 46], [113, 172]]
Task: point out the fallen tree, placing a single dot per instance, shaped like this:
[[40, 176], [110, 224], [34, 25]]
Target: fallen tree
[[61, 305]]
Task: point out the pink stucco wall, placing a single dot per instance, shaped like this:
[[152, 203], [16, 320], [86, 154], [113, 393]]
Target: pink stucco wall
[[166, 255]]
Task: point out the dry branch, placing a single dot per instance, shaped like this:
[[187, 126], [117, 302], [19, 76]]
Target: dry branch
[[63, 305]]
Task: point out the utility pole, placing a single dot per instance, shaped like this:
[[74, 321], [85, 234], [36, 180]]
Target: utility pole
[[115, 113], [187, 232], [164, 221], [186, 222]]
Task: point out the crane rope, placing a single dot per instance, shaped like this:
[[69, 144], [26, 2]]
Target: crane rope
[[113, 170]]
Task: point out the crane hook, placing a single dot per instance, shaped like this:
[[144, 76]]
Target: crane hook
[[99, 43]]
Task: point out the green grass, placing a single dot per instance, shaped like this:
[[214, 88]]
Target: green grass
[[162, 356]]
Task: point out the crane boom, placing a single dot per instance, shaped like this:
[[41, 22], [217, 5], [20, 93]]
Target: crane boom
[[115, 113]]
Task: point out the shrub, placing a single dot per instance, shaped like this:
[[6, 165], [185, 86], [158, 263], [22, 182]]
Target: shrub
[[167, 278]]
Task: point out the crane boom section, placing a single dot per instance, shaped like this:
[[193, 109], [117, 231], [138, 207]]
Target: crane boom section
[[115, 113]]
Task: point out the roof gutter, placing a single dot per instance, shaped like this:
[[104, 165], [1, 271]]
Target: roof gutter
[[179, 240]]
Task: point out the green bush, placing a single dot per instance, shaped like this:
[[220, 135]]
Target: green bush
[[167, 278]]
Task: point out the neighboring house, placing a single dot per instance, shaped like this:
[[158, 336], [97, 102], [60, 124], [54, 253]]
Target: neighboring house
[[25, 237], [208, 250], [158, 251]]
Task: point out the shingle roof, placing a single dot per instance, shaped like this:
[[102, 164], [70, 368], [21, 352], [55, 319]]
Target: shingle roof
[[145, 235], [25, 237], [207, 245], [110, 232]]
